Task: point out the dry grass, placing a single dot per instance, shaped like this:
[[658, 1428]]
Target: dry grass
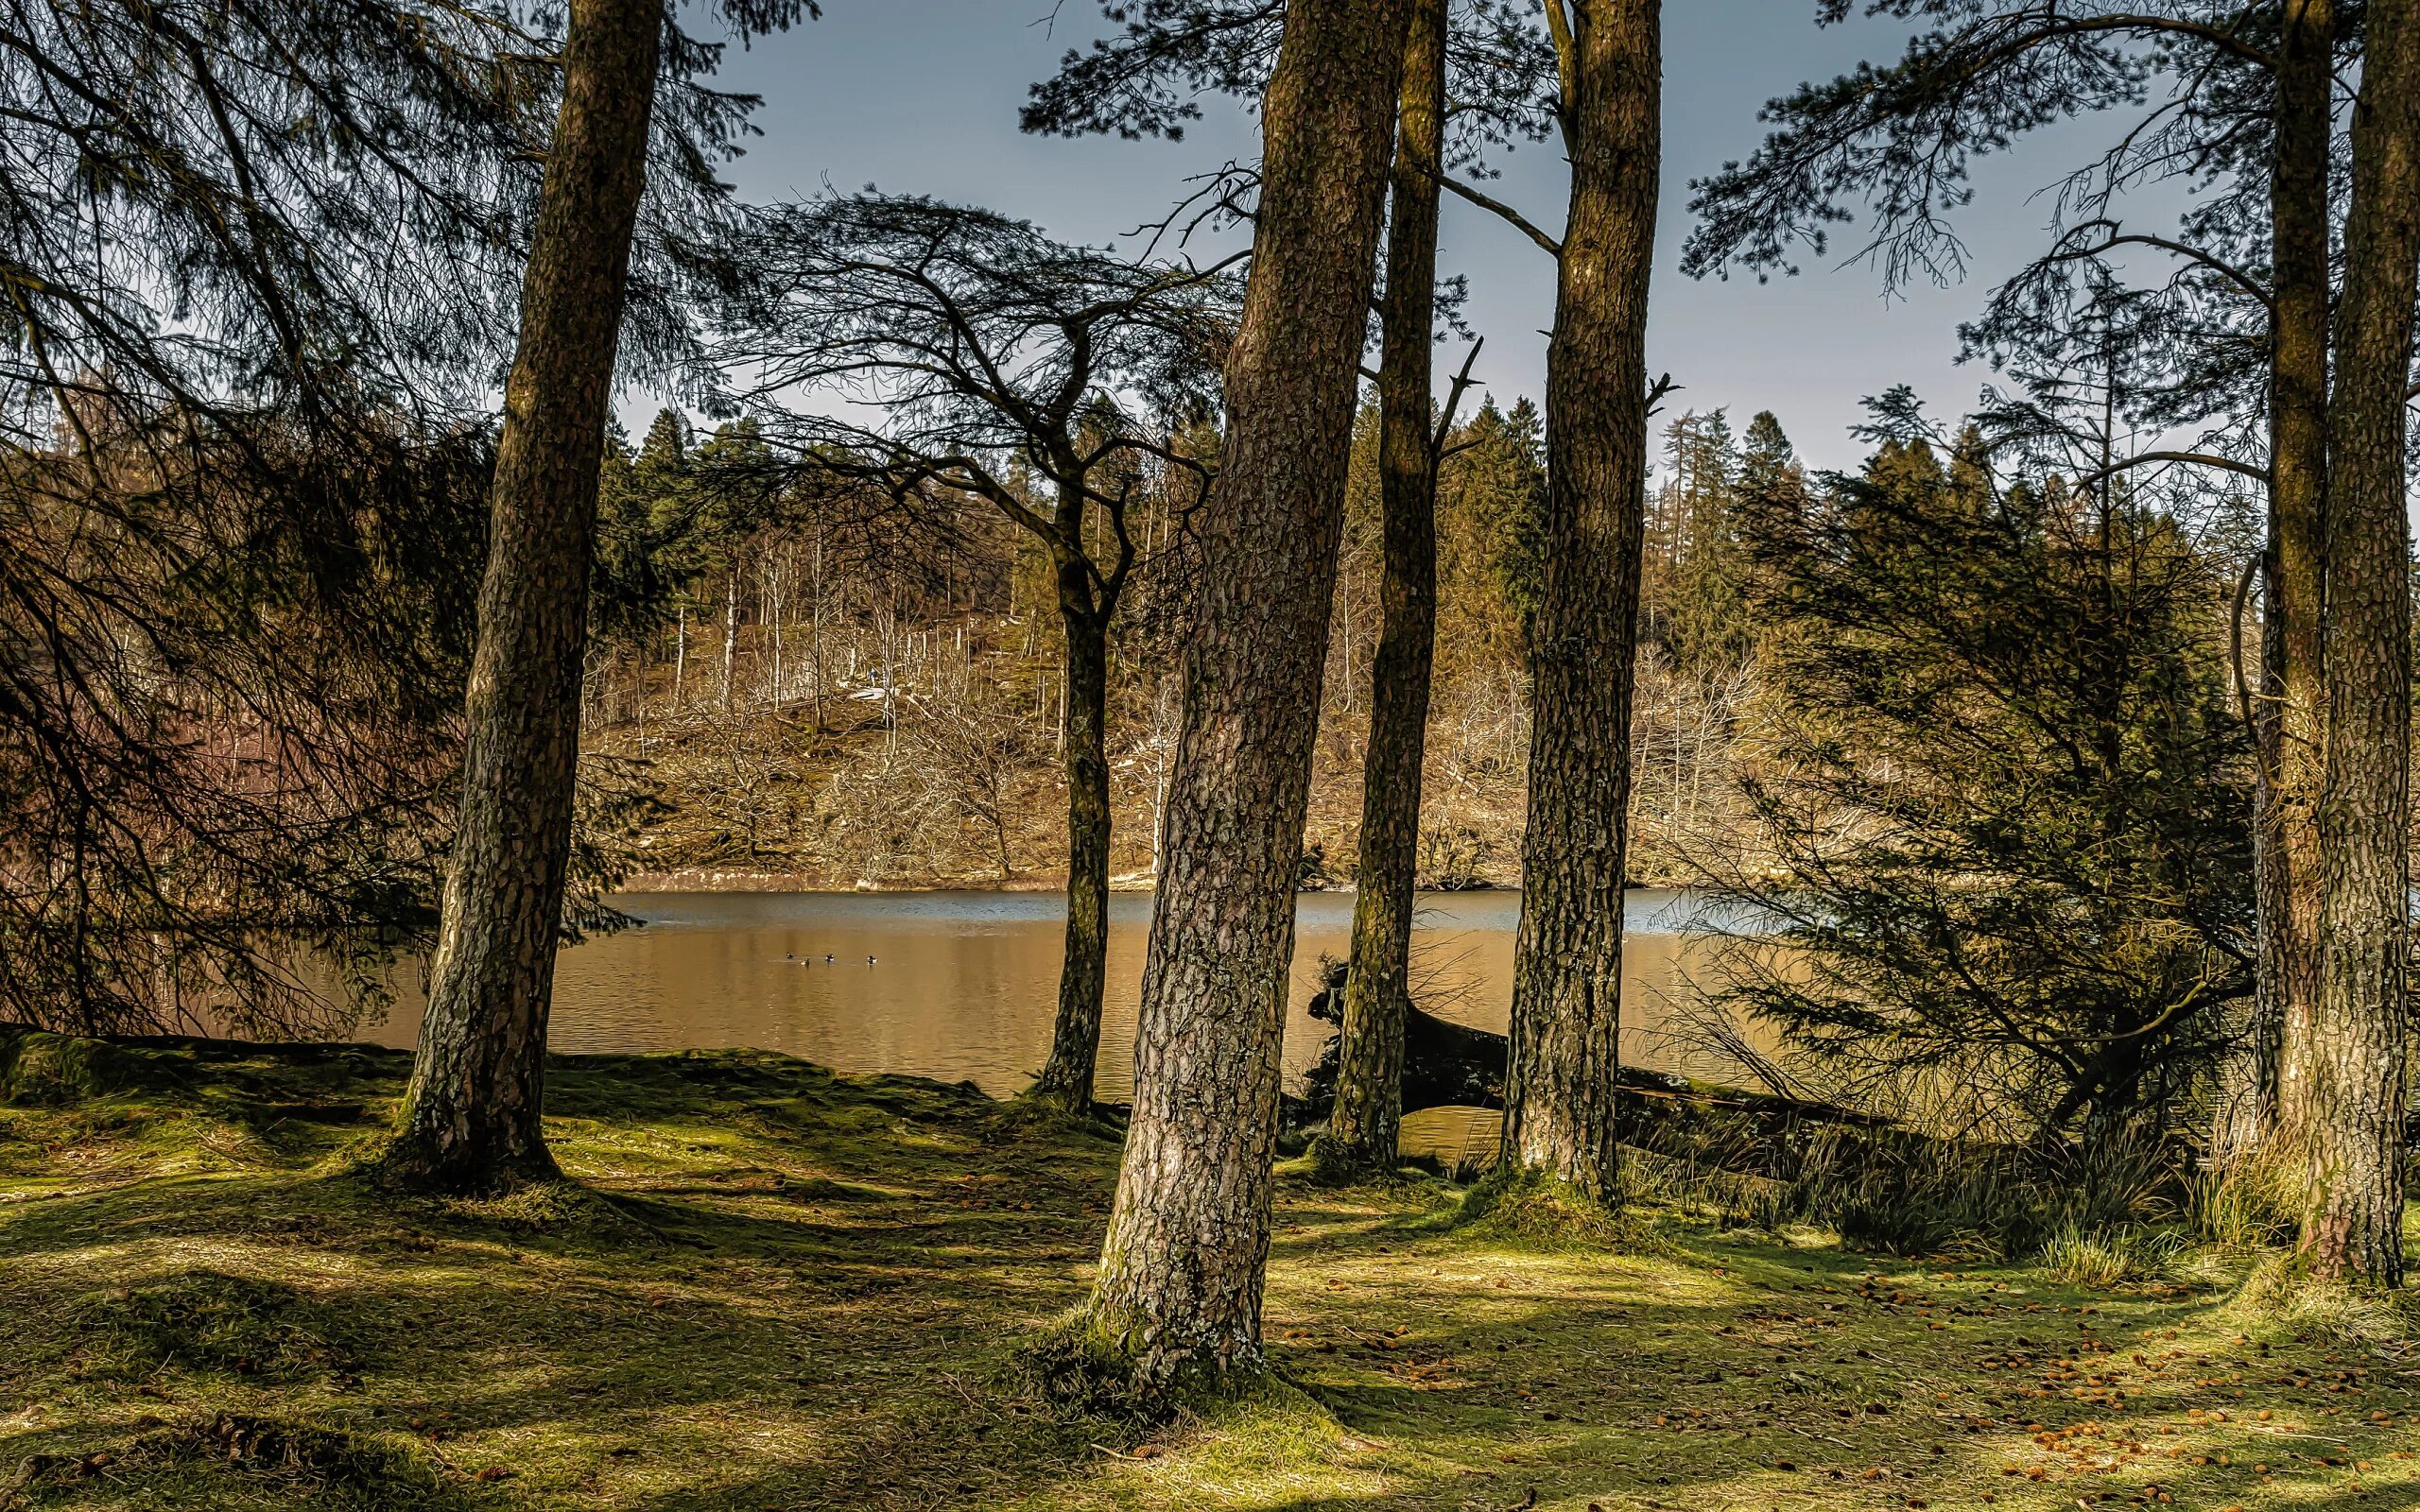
[[768, 1287]]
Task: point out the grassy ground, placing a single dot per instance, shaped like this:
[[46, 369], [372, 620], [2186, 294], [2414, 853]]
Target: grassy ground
[[770, 1288]]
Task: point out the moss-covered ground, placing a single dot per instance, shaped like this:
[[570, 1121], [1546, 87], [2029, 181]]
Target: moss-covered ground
[[766, 1287]]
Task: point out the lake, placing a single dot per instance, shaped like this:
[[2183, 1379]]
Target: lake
[[962, 986]]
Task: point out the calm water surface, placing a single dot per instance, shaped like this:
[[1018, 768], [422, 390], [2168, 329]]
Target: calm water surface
[[962, 986]]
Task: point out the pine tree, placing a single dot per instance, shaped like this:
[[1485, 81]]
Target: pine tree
[[1179, 1288], [2238, 104], [1363, 1126], [1583, 633], [2361, 1031], [2005, 796], [471, 1117]]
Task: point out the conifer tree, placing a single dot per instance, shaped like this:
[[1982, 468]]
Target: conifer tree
[[2361, 1032], [1179, 1289], [1583, 633], [1363, 1127], [1473, 85], [2005, 797], [2239, 103], [471, 1117]]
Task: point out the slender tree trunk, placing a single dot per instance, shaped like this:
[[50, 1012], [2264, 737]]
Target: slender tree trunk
[[1066, 1078], [2288, 833], [1566, 975], [821, 667], [1180, 1271], [679, 651], [1363, 1128], [774, 617], [730, 632], [2353, 1207], [470, 1119]]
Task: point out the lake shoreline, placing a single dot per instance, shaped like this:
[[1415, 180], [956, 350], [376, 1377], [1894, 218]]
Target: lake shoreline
[[739, 880]]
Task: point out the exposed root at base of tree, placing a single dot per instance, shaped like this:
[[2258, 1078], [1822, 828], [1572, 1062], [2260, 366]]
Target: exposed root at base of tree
[[1084, 1365], [402, 1165], [1527, 1206]]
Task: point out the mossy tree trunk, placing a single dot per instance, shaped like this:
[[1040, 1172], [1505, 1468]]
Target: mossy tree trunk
[[1363, 1128], [1567, 972], [2292, 707], [2353, 1208], [1179, 1289], [470, 1119]]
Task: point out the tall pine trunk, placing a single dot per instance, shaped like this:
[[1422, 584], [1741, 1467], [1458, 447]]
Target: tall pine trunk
[[1567, 970], [1364, 1127], [470, 1119], [1179, 1281], [1066, 1079], [2353, 1207], [2268, 1096]]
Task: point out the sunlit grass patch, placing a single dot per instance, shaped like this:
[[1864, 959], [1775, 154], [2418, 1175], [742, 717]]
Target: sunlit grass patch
[[818, 1295]]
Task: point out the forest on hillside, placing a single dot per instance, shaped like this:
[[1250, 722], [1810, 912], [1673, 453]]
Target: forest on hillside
[[829, 691]]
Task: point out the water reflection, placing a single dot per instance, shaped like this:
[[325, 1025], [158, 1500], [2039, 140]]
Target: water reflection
[[962, 986]]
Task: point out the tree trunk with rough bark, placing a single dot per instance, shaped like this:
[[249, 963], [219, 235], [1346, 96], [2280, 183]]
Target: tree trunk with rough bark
[[1179, 1289], [1363, 1127], [470, 1119], [2353, 1207], [1567, 972], [2292, 697], [1066, 1079]]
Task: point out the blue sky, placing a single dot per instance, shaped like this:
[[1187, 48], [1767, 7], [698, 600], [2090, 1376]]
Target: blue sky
[[921, 95]]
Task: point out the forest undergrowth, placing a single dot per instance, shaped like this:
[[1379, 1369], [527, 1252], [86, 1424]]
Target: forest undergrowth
[[765, 1286]]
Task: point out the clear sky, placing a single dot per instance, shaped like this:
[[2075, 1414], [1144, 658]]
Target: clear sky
[[922, 96]]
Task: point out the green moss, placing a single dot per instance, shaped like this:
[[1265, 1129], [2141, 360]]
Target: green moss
[[201, 1320], [1526, 1205], [53, 1070], [235, 1460], [765, 1285]]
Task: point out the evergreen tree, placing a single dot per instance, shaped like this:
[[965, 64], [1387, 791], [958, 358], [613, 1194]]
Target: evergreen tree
[[2005, 799], [1489, 528], [1565, 1039], [1179, 1288], [1694, 565], [471, 1117], [2239, 106], [2360, 1029]]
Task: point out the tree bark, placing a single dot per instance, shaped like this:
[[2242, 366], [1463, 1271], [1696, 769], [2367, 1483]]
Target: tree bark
[[2353, 1207], [2293, 695], [1567, 972], [1066, 1078], [1363, 1127], [1181, 1273], [470, 1119]]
